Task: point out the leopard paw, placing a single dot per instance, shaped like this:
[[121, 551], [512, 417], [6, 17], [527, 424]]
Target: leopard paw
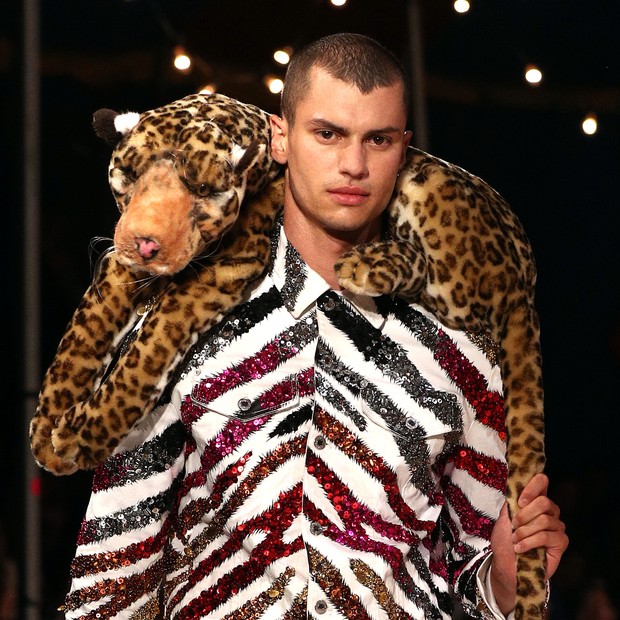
[[383, 268], [43, 450]]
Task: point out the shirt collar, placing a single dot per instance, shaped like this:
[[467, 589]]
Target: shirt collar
[[300, 286]]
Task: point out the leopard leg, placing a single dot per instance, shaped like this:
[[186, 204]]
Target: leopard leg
[[384, 268], [195, 301], [522, 375], [90, 338]]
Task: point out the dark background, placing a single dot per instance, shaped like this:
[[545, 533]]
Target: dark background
[[525, 141]]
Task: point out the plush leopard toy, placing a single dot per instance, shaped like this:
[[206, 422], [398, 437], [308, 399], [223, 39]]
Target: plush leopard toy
[[179, 175]]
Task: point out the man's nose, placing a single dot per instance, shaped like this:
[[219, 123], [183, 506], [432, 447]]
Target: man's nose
[[353, 161]]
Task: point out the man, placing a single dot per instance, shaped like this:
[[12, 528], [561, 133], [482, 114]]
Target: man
[[317, 455]]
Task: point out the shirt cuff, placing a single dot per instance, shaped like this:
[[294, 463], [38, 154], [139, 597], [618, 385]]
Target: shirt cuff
[[483, 581]]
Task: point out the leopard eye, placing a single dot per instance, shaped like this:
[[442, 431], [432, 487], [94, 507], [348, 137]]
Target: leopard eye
[[203, 190]]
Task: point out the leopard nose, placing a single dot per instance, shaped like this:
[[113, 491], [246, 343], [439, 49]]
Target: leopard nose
[[147, 248]]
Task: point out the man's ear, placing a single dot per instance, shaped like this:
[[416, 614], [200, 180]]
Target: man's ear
[[279, 132], [406, 139]]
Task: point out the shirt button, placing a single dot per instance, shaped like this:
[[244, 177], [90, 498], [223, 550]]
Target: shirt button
[[316, 528], [320, 607], [319, 442], [244, 404], [330, 304]]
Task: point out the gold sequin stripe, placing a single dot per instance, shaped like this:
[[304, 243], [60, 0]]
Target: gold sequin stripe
[[299, 606], [123, 592], [255, 608], [486, 344], [367, 577], [331, 582], [150, 611]]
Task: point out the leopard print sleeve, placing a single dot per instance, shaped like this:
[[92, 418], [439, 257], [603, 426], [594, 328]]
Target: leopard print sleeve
[[119, 565]]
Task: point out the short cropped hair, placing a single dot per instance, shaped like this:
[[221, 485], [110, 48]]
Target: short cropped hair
[[355, 59]]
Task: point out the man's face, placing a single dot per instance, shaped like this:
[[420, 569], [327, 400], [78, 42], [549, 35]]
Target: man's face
[[343, 152]]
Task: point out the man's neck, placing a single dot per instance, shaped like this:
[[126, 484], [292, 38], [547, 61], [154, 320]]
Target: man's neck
[[320, 248]]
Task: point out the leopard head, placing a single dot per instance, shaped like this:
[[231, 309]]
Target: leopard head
[[179, 174]]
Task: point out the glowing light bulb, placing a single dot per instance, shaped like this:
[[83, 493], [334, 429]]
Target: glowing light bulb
[[182, 61], [589, 125], [461, 6], [274, 84], [533, 75], [338, 2], [208, 89], [283, 56]]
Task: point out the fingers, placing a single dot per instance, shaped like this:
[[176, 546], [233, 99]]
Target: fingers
[[538, 523], [545, 530], [536, 487]]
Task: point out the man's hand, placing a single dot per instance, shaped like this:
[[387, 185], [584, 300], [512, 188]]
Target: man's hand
[[538, 524]]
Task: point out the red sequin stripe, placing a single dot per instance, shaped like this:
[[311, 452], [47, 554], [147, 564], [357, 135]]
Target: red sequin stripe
[[485, 469], [274, 522], [197, 509], [83, 565], [472, 522], [373, 464], [489, 405], [267, 464]]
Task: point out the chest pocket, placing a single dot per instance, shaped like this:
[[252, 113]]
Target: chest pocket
[[420, 432], [247, 402]]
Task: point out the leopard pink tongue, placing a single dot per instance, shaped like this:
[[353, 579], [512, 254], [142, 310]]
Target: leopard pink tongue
[[147, 248]]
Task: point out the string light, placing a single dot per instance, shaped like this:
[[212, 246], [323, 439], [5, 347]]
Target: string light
[[533, 75], [283, 56], [461, 6], [589, 124], [208, 89], [274, 84], [182, 62]]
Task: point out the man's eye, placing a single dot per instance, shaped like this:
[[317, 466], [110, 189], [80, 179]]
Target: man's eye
[[326, 134], [379, 140]]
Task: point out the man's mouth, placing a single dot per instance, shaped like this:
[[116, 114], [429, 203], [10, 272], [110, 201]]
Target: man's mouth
[[349, 195]]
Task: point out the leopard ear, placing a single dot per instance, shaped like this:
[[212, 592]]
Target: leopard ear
[[112, 126], [242, 158]]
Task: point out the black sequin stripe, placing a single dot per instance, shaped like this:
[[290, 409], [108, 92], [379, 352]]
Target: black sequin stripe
[[292, 421], [240, 320], [134, 517], [392, 359], [151, 457]]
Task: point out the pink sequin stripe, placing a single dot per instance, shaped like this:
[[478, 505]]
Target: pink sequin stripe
[[354, 516], [485, 469], [236, 431], [250, 369], [489, 405], [472, 522], [373, 464], [274, 522]]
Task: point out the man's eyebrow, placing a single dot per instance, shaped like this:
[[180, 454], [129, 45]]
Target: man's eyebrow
[[323, 123]]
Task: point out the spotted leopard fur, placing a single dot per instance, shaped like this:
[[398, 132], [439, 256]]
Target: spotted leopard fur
[[474, 269], [179, 175]]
